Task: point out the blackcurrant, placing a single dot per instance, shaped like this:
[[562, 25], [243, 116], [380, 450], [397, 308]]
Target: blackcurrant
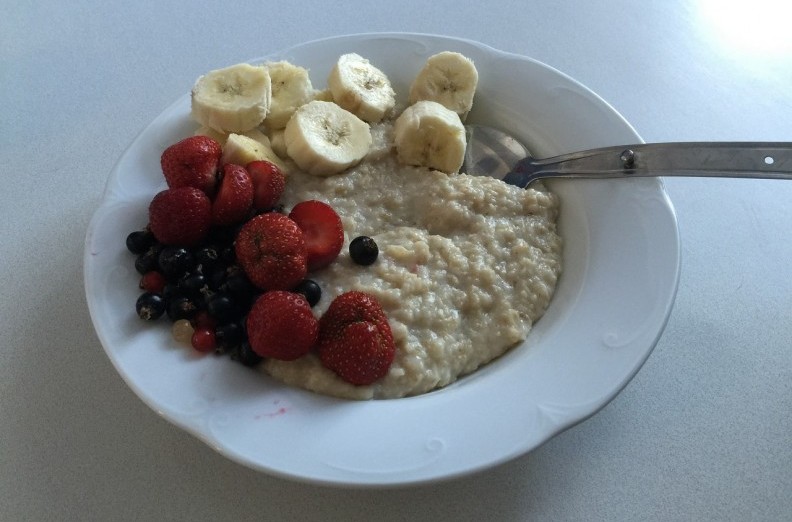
[[194, 285], [147, 261], [363, 250], [310, 290], [222, 308], [239, 286], [207, 257], [139, 241], [245, 355], [174, 262], [229, 335], [150, 306], [181, 308]]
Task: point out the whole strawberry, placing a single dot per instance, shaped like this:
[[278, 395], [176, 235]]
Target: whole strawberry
[[180, 216], [281, 325], [192, 162], [324, 233], [268, 184], [270, 248], [234, 199], [355, 339]]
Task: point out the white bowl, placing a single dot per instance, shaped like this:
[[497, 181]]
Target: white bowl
[[620, 274]]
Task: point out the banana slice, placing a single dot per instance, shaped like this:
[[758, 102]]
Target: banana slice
[[361, 88], [448, 78], [324, 139], [323, 95], [209, 132], [234, 99], [241, 150], [291, 88], [221, 137], [428, 134], [278, 142]]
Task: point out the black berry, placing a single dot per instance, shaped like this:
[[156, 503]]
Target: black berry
[[207, 257], [139, 241], [229, 335], [222, 308], [174, 262], [310, 290], [363, 250], [181, 308], [150, 306], [147, 261], [245, 355], [194, 285]]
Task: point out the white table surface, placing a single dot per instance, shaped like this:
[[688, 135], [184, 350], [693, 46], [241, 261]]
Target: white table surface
[[703, 431]]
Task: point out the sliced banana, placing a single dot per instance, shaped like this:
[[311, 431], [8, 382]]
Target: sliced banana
[[324, 139], [361, 88], [448, 78], [221, 137], [291, 88], [428, 134], [241, 150], [278, 142], [323, 95], [233, 99], [209, 132]]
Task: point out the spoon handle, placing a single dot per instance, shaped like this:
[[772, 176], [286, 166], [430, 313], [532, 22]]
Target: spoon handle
[[769, 160]]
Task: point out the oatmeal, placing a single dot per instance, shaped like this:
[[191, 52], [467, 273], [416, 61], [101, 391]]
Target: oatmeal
[[467, 265]]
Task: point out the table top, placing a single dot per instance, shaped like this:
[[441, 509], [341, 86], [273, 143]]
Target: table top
[[701, 433]]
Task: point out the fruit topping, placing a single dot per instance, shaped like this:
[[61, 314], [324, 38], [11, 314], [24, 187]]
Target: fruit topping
[[174, 262], [153, 282], [182, 331], [310, 290], [281, 325], [268, 184], [245, 355], [150, 306], [448, 78], [180, 216], [203, 340], [140, 241], [232, 99], [429, 135], [192, 162], [291, 88], [323, 139], [271, 250], [324, 233], [361, 88], [355, 339], [235, 196], [363, 250]]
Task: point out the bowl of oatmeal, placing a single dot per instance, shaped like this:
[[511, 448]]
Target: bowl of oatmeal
[[599, 265]]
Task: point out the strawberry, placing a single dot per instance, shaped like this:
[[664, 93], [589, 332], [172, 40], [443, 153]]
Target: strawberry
[[234, 198], [281, 325], [268, 184], [270, 248], [192, 162], [324, 233], [180, 216], [355, 339]]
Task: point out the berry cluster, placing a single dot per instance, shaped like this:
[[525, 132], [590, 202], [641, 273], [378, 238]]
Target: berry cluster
[[230, 269], [202, 290]]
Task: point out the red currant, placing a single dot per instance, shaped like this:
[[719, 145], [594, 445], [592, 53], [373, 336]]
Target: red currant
[[153, 282], [204, 340]]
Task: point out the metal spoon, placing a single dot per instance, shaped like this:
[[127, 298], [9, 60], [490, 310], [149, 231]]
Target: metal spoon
[[491, 152]]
